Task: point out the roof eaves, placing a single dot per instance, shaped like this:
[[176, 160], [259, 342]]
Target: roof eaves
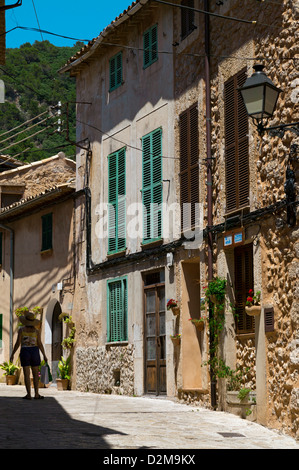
[[24, 205], [96, 42]]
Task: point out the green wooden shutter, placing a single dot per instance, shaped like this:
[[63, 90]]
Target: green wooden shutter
[[116, 73], [152, 194], [47, 230], [117, 310], [150, 46], [117, 201]]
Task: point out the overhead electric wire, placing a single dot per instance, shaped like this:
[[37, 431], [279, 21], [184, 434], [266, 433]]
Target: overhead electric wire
[[26, 138], [120, 141], [193, 54], [25, 28], [26, 130], [231, 18], [24, 123], [37, 19]]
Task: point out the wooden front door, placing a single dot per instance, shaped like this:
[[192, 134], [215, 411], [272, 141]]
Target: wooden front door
[[155, 339]]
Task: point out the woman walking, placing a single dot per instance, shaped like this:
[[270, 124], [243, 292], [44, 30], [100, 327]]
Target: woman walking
[[29, 338]]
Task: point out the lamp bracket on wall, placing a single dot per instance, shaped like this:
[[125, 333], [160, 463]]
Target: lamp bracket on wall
[[279, 130]]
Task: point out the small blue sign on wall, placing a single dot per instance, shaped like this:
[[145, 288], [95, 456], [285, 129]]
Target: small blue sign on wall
[[228, 240], [234, 238], [238, 237]]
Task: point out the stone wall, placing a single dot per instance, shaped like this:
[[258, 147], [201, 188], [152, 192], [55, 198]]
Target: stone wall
[[105, 369], [273, 41], [269, 156]]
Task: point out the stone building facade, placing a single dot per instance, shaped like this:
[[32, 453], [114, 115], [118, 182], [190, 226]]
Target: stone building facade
[[266, 350], [36, 250], [225, 171]]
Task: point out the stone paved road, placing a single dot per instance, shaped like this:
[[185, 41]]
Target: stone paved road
[[74, 420]]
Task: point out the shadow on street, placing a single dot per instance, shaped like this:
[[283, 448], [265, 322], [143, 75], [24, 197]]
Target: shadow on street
[[44, 424]]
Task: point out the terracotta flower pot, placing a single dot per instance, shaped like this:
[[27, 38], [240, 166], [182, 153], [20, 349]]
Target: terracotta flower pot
[[253, 311], [11, 380], [176, 341], [62, 384]]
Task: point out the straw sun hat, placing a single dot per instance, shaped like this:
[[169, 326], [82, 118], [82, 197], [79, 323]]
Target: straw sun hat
[[29, 320]]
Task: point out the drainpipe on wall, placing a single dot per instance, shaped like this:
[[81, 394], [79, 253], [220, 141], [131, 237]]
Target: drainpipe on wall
[[209, 181], [11, 274]]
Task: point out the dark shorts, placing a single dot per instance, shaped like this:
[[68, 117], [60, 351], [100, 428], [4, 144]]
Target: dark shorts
[[30, 357]]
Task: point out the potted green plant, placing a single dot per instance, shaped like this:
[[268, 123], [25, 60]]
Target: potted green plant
[[63, 373], [9, 369], [215, 291], [253, 306]]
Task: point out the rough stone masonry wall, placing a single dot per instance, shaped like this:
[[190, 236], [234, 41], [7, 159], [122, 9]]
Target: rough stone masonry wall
[[281, 243], [105, 369], [276, 45], [273, 42]]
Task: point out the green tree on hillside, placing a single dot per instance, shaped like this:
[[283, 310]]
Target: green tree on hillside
[[33, 86]]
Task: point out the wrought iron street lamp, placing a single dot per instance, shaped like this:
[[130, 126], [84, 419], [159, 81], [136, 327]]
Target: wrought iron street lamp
[[260, 97]]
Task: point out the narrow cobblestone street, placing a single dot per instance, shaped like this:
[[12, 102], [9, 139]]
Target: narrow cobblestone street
[[74, 420]]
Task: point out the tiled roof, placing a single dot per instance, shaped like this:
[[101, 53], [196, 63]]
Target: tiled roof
[[30, 202], [89, 48]]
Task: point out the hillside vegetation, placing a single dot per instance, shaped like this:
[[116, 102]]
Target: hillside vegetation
[[33, 85]]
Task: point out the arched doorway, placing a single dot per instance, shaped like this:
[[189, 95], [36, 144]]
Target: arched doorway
[[55, 324]]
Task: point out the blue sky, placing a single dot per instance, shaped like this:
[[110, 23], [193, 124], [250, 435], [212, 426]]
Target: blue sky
[[72, 18]]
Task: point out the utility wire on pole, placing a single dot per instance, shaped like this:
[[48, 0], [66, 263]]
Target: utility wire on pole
[[9, 7]]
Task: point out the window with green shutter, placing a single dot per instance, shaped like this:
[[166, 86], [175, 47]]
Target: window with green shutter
[[47, 232], [152, 191], [117, 315], [150, 46], [116, 71], [117, 201]]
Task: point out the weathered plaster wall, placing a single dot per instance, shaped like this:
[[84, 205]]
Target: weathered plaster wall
[[117, 119]]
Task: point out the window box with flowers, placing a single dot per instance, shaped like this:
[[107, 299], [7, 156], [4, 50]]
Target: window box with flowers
[[173, 305], [253, 306]]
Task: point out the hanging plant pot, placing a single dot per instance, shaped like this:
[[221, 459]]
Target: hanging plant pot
[[214, 299], [176, 310], [176, 340], [199, 325], [253, 311]]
